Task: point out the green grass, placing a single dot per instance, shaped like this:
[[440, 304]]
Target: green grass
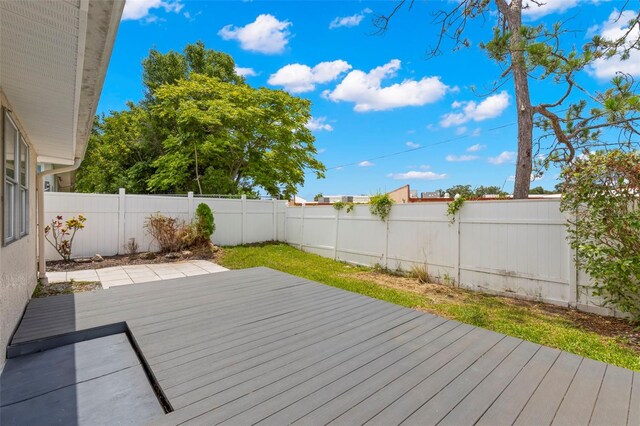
[[494, 313]]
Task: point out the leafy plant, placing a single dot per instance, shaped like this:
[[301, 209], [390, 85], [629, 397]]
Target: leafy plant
[[131, 246], [601, 198], [60, 234], [340, 205], [454, 207], [380, 205], [204, 225]]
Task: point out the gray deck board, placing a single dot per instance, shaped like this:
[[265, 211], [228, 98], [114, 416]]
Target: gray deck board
[[260, 346], [612, 405]]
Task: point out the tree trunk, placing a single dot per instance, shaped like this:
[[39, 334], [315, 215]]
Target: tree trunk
[[524, 165]]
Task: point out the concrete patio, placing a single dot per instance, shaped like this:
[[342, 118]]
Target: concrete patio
[[135, 274]]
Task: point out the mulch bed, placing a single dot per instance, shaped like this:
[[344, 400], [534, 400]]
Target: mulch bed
[[135, 259], [55, 289]]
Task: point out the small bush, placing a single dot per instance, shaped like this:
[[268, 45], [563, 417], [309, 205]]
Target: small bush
[[204, 225], [174, 235], [170, 233]]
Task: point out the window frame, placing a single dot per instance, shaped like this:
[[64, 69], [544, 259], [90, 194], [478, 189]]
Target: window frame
[[17, 211]]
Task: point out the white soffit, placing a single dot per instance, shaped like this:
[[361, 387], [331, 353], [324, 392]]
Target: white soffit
[[53, 59]]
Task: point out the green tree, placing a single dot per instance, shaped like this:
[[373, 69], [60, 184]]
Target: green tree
[[318, 196], [160, 68], [231, 138], [487, 190], [601, 200], [117, 155], [573, 122], [538, 190], [465, 191], [201, 128]]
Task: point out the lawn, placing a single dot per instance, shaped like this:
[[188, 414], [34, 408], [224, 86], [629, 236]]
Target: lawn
[[603, 339]]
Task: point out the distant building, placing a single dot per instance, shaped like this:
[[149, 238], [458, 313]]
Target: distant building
[[330, 199]]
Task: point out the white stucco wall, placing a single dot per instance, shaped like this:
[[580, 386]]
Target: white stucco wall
[[18, 264]]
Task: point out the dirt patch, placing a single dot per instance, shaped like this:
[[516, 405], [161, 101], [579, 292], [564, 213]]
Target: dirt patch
[[55, 289], [438, 293], [136, 259]]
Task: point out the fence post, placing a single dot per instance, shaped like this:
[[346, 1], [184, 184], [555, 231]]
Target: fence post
[[190, 205], [121, 219], [275, 220], [573, 276], [302, 226], [335, 243], [386, 244], [243, 201], [456, 271]]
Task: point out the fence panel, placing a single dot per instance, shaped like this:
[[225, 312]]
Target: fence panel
[[100, 234], [114, 219], [507, 247]]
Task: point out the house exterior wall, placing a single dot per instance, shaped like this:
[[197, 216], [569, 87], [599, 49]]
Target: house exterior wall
[[18, 264], [400, 195]]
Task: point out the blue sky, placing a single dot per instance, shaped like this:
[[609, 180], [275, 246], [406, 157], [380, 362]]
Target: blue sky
[[372, 95]]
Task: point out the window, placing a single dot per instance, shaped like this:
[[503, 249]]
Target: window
[[16, 182]]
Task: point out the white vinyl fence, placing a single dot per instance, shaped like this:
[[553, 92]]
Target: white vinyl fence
[[113, 219], [514, 247]]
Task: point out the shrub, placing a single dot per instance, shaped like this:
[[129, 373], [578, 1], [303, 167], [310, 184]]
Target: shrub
[[601, 194], [61, 234], [420, 271], [174, 235], [167, 231], [380, 205], [204, 225]]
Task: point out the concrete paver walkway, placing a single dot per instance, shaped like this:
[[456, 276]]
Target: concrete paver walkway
[[134, 274]]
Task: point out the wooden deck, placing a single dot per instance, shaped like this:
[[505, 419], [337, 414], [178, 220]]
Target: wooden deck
[[259, 346]]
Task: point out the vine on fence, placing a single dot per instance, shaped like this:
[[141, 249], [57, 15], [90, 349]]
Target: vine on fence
[[380, 205], [454, 207], [340, 205]]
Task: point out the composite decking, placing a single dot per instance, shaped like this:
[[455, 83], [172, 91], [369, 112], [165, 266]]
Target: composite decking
[[260, 346]]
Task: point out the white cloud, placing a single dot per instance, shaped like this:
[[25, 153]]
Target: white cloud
[[412, 144], [366, 91], [461, 130], [504, 157], [476, 132], [141, 9], [264, 35], [298, 78], [475, 148], [349, 21], [318, 124], [491, 107], [322, 150], [546, 7], [413, 174], [458, 158], [365, 164], [605, 68], [425, 167], [246, 72]]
